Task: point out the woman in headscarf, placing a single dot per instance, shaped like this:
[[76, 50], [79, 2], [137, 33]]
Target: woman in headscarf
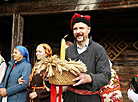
[[10, 90], [3, 68], [112, 91], [133, 89], [39, 89]]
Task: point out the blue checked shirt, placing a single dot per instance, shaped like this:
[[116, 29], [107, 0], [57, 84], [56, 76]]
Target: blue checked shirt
[[80, 50]]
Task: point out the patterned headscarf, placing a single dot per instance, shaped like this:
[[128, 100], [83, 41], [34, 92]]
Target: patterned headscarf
[[48, 49], [23, 50]]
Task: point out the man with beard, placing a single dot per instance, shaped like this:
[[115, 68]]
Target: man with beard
[[94, 56]]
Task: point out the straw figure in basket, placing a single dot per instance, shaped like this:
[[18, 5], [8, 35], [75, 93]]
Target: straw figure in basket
[[93, 56], [68, 43], [39, 89], [59, 71]]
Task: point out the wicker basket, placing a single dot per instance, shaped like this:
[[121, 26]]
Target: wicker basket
[[62, 79]]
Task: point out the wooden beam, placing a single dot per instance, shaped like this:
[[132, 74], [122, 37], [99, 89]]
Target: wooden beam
[[45, 7], [17, 31]]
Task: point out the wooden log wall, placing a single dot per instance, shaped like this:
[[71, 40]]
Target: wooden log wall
[[124, 25], [126, 64], [54, 6]]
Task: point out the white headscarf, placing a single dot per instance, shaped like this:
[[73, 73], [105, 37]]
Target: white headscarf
[[1, 59]]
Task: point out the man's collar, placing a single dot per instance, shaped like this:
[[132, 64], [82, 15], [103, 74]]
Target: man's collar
[[86, 45]]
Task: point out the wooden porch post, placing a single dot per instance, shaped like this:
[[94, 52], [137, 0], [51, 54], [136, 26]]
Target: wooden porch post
[[17, 32]]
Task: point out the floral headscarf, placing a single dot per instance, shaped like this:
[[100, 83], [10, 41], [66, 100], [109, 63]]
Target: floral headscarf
[[112, 91], [134, 83], [48, 49]]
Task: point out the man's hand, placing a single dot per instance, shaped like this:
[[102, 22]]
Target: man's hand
[[20, 80], [3, 92], [82, 79], [33, 95]]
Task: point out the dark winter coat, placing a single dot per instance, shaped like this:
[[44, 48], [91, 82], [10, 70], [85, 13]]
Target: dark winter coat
[[98, 67], [42, 94]]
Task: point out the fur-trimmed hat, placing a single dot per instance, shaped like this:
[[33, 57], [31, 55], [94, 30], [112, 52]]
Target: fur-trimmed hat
[[80, 18]]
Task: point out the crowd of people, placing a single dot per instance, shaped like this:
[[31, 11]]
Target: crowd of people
[[19, 83]]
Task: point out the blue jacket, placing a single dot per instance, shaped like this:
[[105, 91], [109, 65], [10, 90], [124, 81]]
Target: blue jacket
[[17, 92]]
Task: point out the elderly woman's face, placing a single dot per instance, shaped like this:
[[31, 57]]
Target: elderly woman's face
[[17, 55], [40, 52]]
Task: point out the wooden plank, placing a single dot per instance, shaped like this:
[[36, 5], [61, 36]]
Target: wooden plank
[[54, 6], [17, 31]]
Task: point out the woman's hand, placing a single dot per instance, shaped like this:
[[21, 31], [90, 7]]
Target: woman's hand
[[48, 89], [33, 95], [20, 80]]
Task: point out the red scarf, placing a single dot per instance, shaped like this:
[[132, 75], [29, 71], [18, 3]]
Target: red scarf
[[13, 66]]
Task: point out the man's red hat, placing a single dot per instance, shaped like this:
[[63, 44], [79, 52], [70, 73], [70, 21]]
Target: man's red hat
[[80, 18]]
